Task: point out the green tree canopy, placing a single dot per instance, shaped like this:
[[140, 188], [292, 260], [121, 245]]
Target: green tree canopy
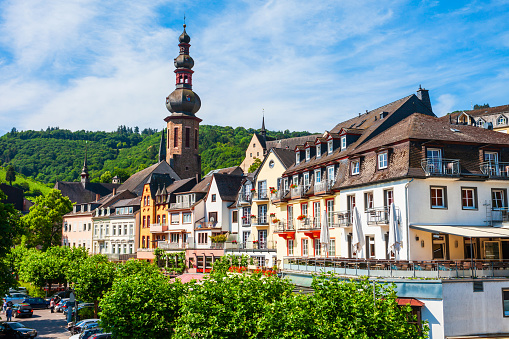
[[10, 175], [9, 229], [43, 224], [254, 166]]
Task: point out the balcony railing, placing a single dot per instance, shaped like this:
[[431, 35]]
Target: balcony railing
[[323, 187], [252, 245], [158, 228], [283, 226], [180, 205], [495, 169], [500, 214], [341, 219], [379, 215], [167, 245], [434, 269], [439, 166], [309, 223], [207, 224], [245, 198], [278, 196], [298, 192], [260, 220], [262, 194], [246, 221]]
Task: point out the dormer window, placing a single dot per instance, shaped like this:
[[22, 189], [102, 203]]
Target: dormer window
[[330, 146], [382, 160], [480, 123], [308, 154], [297, 158], [343, 142], [502, 120], [356, 166], [295, 180], [318, 150]]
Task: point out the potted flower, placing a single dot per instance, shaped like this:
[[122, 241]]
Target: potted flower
[[272, 215], [293, 186], [275, 221], [244, 217], [273, 190], [301, 217], [253, 190], [255, 241], [234, 242], [253, 216]]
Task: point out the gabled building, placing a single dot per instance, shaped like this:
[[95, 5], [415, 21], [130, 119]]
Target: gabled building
[[495, 118]]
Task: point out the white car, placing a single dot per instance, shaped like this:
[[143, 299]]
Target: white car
[[80, 324]]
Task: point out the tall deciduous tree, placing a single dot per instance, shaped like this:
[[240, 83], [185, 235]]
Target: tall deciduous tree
[[9, 228], [10, 175], [92, 278], [44, 221]]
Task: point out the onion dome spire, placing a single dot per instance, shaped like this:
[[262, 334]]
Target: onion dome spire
[[183, 100]]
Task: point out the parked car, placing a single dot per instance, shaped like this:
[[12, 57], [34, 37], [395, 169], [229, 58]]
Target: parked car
[[22, 310], [60, 306], [101, 336], [36, 303], [62, 295], [76, 328], [14, 298], [13, 329], [86, 334]]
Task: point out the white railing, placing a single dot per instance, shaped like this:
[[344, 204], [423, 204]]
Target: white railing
[[495, 169], [439, 166]]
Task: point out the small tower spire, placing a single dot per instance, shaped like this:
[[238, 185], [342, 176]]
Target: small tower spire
[[84, 172], [262, 131], [162, 148]]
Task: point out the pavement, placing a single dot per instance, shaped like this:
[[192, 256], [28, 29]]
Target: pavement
[[47, 324]]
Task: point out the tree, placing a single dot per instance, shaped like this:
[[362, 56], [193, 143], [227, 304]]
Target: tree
[[476, 106], [9, 229], [43, 223], [92, 278], [10, 175], [254, 166], [106, 177], [142, 305]]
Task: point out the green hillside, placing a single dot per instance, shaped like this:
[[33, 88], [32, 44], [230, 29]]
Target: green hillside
[[58, 154], [31, 187]]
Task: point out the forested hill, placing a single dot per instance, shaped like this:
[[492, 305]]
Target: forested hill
[[57, 154]]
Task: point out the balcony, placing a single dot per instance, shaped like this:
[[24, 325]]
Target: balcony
[[278, 196], [379, 215], [495, 169], [323, 187], [500, 214], [260, 220], [245, 198], [181, 205], [121, 257], [166, 245], [207, 225], [439, 166], [298, 192], [252, 246], [284, 226], [246, 221], [309, 223], [341, 219], [262, 194], [158, 228]]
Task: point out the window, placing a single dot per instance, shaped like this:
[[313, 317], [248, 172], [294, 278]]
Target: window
[[188, 137], [491, 157], [271, 164], [318, 150], [329, 205], [330, 146], [175, 218], [438, 197], [318, 176], [351, 202], [213, 198], [355, 165], [297, 157], [343, 142], [212, 216], [505, 302], [388, 197], [114, 232], [176, 137], [260, 261], [317, 246], [304, 208], [371, 247], [368, 201], [290, 247], [306, 179], [131, 229], [295, 180], [202, 238], [498, 198], [113, 247], [144, 221], [469, 198], [305, 251], [164, 219], [332, 248], [187, 218], [382, 160], [330, 174], [143, 242], [235, 216], [480, 122], [196, 139], [174, 237], [285, 184], [438, 244], [308, 153], [501, 120]]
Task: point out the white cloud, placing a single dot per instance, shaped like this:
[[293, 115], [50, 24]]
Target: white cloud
[[446, 103]]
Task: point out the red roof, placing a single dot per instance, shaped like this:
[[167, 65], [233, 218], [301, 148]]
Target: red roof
[[411, 301]]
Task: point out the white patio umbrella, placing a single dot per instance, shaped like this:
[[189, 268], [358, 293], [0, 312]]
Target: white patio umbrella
[[324, 233], [394, 233], [358, 234]]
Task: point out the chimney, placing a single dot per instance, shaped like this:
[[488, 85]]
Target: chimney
[[114, 191], [97, 196], [423, 95]]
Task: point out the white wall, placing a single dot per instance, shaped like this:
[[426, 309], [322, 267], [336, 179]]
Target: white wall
[[468, 313], [433, 312]]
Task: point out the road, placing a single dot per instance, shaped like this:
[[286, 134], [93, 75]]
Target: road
[[47, 324]]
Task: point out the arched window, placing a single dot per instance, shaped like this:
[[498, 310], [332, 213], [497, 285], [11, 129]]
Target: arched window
[[158, 219], [144, 221], [164, 219], [186, 80], [502, 120], [143, 242], [148, 221]]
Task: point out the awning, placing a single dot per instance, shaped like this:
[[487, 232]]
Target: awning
[[409, 301], [465, 231]]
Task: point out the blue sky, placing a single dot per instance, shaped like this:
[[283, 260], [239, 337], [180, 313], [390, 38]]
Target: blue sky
[[95, 64]]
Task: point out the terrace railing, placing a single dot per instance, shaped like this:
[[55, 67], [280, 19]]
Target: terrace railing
[[439, 166], [495, 168]]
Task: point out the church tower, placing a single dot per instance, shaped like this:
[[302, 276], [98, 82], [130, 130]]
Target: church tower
[[182, 125]]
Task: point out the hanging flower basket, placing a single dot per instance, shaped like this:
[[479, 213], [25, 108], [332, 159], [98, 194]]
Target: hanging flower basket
[[275, 221], [253, 216], [301, 217], [293, 186], [272, 215], [253, 190], [234, 241]]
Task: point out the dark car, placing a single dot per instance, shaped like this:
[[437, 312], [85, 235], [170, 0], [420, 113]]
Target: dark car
[[36, 303], [22, 310], [101, 336], [61, 295], [13, 329]]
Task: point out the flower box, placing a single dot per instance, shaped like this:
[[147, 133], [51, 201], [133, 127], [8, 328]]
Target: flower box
[[293, 186], [272, 215], [253, 216], [275, 221], [301, 217]]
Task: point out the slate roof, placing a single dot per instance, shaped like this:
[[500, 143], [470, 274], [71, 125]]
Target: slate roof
[[291, 143], [287, 156], [80, 195], [262, 140], [228, 186], [136, 181], [127, 202], [480, 112]]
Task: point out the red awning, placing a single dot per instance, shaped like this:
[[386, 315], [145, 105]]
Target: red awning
[[411, 301], [286, 235]]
